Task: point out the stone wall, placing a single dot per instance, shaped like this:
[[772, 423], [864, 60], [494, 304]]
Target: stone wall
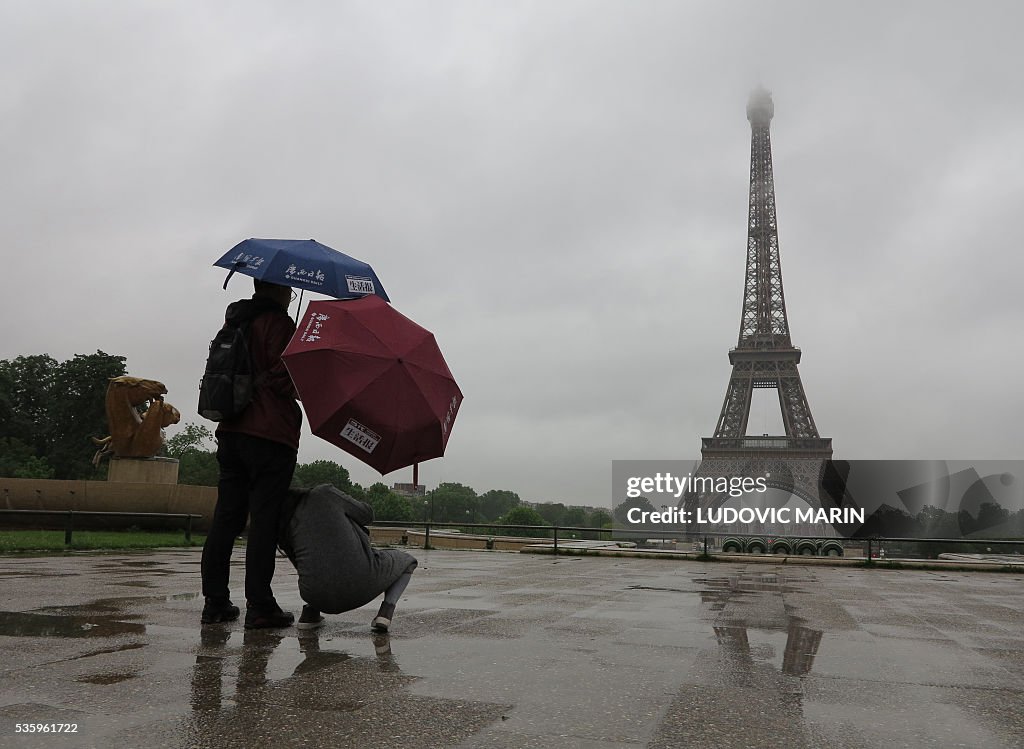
[[105, 496]]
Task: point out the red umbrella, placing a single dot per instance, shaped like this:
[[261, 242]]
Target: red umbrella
[[373, 382]]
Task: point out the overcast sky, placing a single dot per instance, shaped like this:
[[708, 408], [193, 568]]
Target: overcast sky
[[557, 189]]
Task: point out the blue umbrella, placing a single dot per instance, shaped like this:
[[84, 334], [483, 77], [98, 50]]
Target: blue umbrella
[[303, 264]]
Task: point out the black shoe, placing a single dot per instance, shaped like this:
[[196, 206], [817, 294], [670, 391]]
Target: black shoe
[[310, 619], [218, 610], [257, 618], [382, 621]]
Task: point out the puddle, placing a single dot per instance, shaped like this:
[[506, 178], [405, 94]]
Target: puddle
[[264, 656], [33, 574], [141, 563], [20, 624], [129, 567], [182, 597], [740, 584], [106, 678], [716, 600], [790, 649], [106, 606], [134, 584]]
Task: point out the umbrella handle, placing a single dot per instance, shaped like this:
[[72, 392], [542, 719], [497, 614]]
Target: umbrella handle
[[230, 274]]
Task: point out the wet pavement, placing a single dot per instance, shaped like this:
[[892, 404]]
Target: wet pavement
[[517, 651]]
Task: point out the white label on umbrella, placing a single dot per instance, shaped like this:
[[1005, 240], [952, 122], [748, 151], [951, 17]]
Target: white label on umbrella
[[359, 435], [452, 408], [358, 285], [313, 325], [305, 276], [250, 261]]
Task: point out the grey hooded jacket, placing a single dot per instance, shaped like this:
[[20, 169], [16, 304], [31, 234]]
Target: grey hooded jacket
[[324, 534]]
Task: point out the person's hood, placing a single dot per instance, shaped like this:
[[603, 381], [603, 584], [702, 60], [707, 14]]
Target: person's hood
[[246, 309]]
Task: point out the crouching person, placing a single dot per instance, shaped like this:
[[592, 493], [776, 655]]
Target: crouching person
[[324, 533]]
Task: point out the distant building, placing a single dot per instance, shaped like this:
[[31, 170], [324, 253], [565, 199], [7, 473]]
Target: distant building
[[413, 491]]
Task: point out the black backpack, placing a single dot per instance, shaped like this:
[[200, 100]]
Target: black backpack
[[227, 384]]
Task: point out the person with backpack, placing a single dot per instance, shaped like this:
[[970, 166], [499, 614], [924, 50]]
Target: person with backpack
[[247, 389]]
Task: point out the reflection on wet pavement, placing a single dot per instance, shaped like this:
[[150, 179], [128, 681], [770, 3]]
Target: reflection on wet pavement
[[18, 624], [107, 678], [346, 696], [802, 642], [508, 650]]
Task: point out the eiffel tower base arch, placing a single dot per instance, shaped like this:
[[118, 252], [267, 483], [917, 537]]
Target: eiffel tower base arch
[[799, 467]]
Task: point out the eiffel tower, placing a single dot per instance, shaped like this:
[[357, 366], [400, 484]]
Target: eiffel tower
[[764, 356]]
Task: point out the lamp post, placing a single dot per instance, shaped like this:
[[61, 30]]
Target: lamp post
[[429, 519], [428, 502]]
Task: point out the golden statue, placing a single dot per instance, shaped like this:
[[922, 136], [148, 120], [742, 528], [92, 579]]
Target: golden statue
[[136, 415]]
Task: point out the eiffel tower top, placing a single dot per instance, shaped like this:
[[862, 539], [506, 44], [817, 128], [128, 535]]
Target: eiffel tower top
[[760, 107], [764, 323]]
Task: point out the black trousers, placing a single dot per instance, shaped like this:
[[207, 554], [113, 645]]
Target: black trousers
[[255, 474]]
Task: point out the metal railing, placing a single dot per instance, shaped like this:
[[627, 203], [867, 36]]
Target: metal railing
[[70, 515], [708, 543], [814, 444], [898, 544], [553, 530]]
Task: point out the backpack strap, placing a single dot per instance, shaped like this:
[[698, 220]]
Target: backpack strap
[[257, 307]]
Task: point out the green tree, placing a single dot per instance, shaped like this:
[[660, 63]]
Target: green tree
[[55, 408], [454, 503], [386, 504], [937, 523], [990, 515], [1015, 525], [322, 472], [496, 502], [891, 521], [599, 519], [197, 464], [552, 512], [78, 411], [198, 468], [6, 399], [27, 381], [377, 491], [191, 437], [357, 491], [525, 515], [574, 517], [18, 460], [392, 506], [621, 512]]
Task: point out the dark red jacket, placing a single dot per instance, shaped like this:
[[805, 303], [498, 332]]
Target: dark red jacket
[[273, 413]]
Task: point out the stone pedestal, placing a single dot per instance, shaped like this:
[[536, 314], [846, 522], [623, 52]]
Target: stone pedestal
[[143, 470]]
